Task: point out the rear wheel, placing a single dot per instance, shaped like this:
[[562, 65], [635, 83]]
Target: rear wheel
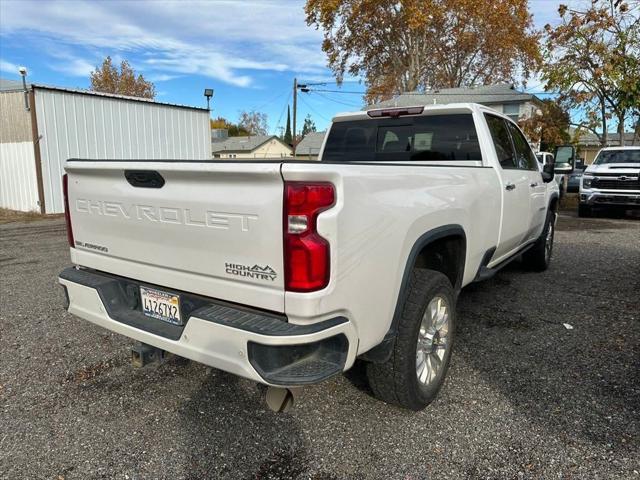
[[584, 210], [416, 370], [538, 257]]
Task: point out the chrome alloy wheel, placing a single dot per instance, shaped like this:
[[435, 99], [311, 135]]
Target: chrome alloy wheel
[[433, 339], [548, 243]]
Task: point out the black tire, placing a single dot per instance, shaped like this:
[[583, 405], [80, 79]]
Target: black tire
[[396, 380], [584, 210], [538, 257]]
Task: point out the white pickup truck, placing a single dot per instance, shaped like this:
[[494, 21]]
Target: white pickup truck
[[612, 181], [286, 272]]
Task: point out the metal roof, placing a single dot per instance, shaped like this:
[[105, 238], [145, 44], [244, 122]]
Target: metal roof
[[310, 143], [7, 85], [14, 85], [485, 94], [241, 144], [128, 98]]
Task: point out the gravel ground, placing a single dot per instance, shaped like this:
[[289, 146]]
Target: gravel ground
[[525, 397]]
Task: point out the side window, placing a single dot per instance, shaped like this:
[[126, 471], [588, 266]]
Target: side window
[[525, 159], [501, 141]]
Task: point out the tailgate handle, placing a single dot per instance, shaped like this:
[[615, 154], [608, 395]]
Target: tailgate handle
[[144, 178]]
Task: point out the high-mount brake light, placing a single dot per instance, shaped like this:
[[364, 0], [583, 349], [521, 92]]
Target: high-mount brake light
[[67, 212], [395, 112], [306, 253]]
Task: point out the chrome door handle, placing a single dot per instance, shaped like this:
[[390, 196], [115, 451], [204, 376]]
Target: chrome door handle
[[510, 186], [533, 184]]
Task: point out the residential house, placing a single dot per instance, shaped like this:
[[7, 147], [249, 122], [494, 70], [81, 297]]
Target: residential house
[[503, 98], [309, 147], [588, 144], [249, 148]]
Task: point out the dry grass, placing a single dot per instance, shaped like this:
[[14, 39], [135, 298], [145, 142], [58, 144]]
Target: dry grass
[[8, 216]]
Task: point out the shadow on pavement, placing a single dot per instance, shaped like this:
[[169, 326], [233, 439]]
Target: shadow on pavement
[[582, 384]]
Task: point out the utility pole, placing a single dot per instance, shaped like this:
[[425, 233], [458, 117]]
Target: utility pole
[[295, 108]]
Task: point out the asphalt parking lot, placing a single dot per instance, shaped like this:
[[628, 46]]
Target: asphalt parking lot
[[525, 398]]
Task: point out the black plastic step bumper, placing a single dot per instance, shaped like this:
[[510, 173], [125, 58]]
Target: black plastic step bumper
[[293, 361]]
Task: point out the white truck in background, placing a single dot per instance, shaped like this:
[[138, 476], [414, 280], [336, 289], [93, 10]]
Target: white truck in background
[[612, 181], [547, 157], [286, 272]]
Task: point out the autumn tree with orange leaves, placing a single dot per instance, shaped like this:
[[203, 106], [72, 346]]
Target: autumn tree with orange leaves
[[108, 79], [593, 60], [411, 45]]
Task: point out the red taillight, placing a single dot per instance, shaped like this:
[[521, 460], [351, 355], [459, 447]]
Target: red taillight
[[67, 212], [306, 253]]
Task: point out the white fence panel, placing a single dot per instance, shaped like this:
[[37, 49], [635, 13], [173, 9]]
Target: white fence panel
[[18, 183]]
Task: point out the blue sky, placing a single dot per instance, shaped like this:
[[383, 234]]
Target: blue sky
[[248, 51]]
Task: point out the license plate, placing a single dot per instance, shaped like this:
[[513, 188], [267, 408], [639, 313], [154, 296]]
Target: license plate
[[161, 305]]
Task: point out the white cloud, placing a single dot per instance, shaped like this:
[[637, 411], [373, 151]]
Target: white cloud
[[162, 77], [223, 40], [8, 67], [75, 67]]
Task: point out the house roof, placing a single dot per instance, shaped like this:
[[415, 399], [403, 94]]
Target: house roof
[[589, 138], [310, 143], [241, 144], [485, 95], [7, 85]]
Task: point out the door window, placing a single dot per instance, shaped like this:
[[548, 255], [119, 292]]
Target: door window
[[501, 141], [525, 158]]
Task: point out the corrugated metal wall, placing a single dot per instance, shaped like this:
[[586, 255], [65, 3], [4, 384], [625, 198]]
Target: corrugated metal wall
[[75, 125], [15, 119], [18, 185]]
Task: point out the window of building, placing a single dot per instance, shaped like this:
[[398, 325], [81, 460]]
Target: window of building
[[512, 110]]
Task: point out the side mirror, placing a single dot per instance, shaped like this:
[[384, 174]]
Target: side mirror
[[565, 156], [548, 172]]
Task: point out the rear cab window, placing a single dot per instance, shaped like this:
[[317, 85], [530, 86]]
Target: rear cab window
[[447, 137]]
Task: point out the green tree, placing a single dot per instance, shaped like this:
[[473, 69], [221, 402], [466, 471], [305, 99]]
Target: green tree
[[593, 58], [108, 79], [287, 134], [408, 45], [309, 125]]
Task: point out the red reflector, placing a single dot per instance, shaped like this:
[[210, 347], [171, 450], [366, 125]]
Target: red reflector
[[67, 212], [306, 253], [395, 112]]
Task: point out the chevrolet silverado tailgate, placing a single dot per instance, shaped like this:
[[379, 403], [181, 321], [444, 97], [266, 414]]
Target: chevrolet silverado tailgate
[[210, 228]]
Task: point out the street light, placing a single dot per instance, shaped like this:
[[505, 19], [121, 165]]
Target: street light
[[208, 92]]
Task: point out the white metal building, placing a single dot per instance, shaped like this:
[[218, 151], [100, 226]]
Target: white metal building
[[65, 123]]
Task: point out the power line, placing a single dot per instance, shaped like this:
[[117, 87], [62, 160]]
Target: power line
[[272, 100], [462, 94], [286, 104], [348, 104], [313, 109]]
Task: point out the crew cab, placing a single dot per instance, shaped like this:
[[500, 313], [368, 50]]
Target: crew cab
[[286, 272], [612, 181]]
